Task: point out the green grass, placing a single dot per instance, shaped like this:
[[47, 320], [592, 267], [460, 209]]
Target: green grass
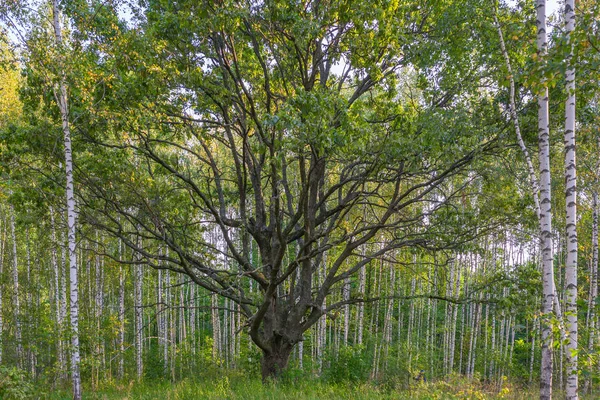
[[235, 386]]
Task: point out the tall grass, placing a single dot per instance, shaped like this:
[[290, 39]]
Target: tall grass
[[216, 386]]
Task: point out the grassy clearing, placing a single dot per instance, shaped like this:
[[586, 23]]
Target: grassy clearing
[[249, 388]]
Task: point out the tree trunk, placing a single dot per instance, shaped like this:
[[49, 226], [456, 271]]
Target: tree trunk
[[139, 327], [545, 215], [346, 297], [57, 298], [2, 247], [216, 328], [532, 357], [593, 287], [121, 335], [62, 101], [16, 303], [571, 204], [361, 306], [99, 305], [275, 361]]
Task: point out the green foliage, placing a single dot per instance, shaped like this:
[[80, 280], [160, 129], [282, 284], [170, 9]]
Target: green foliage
[[14, 384], [349, 364]]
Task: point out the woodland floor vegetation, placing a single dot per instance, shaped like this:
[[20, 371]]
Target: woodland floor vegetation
[[243, 387]]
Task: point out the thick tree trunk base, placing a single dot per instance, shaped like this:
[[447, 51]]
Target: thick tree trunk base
[[275, 362]]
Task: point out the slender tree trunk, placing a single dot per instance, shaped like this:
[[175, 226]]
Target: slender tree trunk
[[388, 326], [486, 336], [2, 248], [545, 215], [455, 293], [192, 318], [30, 339], [448, 318], [172, 329], [16, 302], [57, 297], [121, 335], [361, 306], [493, 350], [462, 336], [62, 100], [139, 327], [322, 323], [512, 341], [375, 324], [216, 325], [346, 297], [593, 286], [165, 319], [571, 212], [473, 357], [162, 334], [532, 357], [99, 306]]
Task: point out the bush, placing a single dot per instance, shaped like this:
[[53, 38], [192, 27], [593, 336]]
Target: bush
[[14, 384], [350, 364]]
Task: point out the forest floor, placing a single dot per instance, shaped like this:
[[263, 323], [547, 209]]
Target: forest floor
[[239, 387]]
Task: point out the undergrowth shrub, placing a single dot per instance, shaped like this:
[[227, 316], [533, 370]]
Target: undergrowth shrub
[[14, 384]]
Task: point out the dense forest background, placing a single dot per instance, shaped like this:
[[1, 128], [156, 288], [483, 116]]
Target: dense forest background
[[370, 198]]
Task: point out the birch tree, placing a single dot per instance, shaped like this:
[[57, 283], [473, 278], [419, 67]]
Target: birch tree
[[15, 282], [571, 211], [61, 98], [545, 211]]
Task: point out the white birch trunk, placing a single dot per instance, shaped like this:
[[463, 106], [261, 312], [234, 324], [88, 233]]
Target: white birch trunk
[[121, 335], [532, 357], [99, 303], [447, 319], [493, 350], [593, 286], [571, 212], [62, 101], [139, 328], [172, 338], [322, 324], [165, 319], [63, 282], [346, 297], [361, 306], [16, 302], [192, 318], [160, 317], [2, 248], [301, 355], [169, 341], [545, 214], [30, 340], [57, 297], [216, 323], [455, 294], [388, 326]]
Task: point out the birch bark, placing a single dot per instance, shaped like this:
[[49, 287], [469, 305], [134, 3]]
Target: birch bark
[[545, 214], [139, 328], [2, 247], [16, 300], [62, 101], [121, 336], [571, 212], [57, 297], [593, 285]]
